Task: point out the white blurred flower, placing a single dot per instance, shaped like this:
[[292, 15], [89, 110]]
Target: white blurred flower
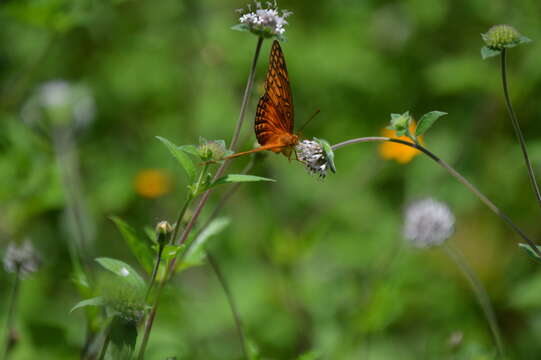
[[428, 223], [313, 156], [21, 258], [264, 22], [61, 103]]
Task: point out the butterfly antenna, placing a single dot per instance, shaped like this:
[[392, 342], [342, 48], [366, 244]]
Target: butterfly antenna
[[310, 119]]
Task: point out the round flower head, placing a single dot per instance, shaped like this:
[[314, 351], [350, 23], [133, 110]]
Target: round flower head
[[428, 223], [266, 22], [501, 36], [61, 103], [315, 156], [21, 258]]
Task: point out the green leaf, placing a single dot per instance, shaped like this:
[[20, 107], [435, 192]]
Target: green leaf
[[96, 301], [427, 120], [240, 27], [189, 149], [234, 178], [182, 157], [487, 52], [329, 154], [195, 253], [139, 248], [122, 269], [523, 40], [171, 251], [123, 333], [530, 251]]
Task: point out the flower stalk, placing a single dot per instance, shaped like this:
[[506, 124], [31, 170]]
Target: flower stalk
[[455, 174], [516, 126], [480, 293], [10, 340]]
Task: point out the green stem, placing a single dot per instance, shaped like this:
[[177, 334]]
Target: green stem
[[516, 127], [480, 293], [10, 328], [455, 174], [231, 301], [154, 272], [106, 342], [181, 215]]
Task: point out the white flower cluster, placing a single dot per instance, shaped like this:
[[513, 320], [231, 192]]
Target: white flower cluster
[[265, 20], [61, 102], [312, 155], [22, 259], [428, 223]]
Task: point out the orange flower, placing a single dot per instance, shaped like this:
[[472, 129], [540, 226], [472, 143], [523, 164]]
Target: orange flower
[[401, 153], [152, 183]]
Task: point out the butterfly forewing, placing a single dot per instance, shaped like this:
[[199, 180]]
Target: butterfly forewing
[[274, 115]]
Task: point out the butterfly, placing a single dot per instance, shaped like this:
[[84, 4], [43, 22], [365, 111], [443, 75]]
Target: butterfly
[[274, 115]]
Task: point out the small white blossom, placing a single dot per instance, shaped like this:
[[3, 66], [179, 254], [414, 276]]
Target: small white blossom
[[61, 102], [22, 259], [313, 156], [265, 21], [428, 223]]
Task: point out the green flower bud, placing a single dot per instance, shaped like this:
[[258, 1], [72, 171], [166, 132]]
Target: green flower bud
[[499, 37], [211, 150], [163, 229], [123, 299], [400, 123]]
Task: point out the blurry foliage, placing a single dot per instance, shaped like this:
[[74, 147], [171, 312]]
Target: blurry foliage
[[318, 268]]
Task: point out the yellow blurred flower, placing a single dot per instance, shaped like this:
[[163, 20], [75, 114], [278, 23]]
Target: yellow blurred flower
[[393, 151], [152, 183]]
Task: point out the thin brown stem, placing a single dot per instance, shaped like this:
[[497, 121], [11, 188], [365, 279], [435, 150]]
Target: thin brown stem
[[10, 322], [455, 174], [231, 301], [480, 293], [516, 127]]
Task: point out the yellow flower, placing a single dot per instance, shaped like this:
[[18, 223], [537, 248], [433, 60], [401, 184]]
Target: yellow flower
[[152, 183], [393, 151]]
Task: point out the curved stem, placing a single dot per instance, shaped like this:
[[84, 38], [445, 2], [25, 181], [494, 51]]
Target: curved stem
[[455, 174], [516, 127], [154, 272], [106, 343], [10, 328], [480, 293], [231, 301]]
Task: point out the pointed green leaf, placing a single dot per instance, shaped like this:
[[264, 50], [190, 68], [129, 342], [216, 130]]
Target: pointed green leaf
[[530, 251], [96, 301], [240, 27], [487, 52], [123, 270], [195, 253], [523, 39], [182, 157], [233, 178], [171, 251], [138, 247], [427, 120], [189, 149]]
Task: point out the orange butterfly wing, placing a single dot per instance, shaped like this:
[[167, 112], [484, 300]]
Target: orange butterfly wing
[[274, 114]]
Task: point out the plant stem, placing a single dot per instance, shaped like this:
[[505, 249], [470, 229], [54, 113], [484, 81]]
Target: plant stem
[[181, 215], [236, 134], [11, 314], [154, 272], [231, 301], [106, 342], [202, 201], [516, 127], [480, 293], [455, 174]]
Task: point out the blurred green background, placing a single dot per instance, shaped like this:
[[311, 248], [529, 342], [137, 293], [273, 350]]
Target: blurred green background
[[317, 267]]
